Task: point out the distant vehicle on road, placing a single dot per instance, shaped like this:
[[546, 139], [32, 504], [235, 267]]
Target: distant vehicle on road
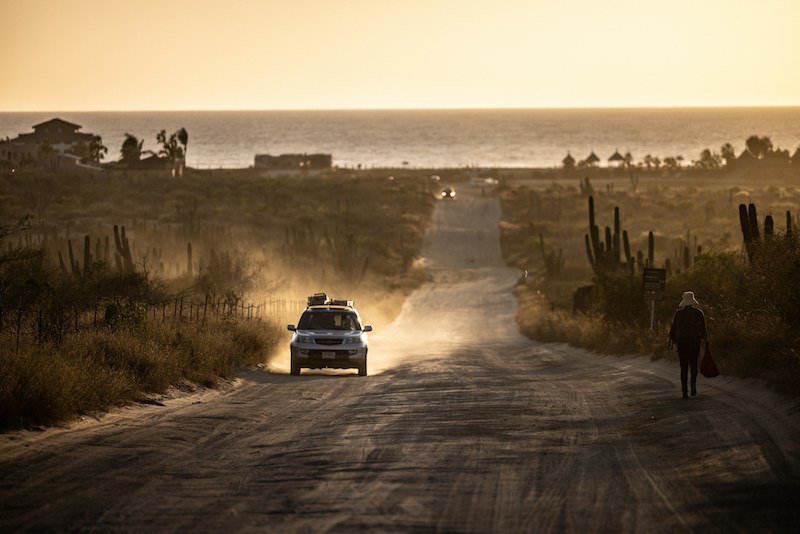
[[448, 192], [329, 334]]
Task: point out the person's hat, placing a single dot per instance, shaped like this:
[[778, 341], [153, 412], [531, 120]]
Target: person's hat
[[687, 299]]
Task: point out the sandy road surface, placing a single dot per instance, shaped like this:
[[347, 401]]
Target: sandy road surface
[[462, 426]]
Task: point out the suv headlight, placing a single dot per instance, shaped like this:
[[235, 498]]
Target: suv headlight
[[305, 339], [356, 339]]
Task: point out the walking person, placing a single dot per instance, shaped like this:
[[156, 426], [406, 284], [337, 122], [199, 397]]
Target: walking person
[[687, 330]]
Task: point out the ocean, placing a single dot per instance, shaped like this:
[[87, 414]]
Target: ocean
[[435, 138]]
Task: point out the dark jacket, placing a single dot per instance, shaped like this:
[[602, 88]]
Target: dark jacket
[[688, 327]]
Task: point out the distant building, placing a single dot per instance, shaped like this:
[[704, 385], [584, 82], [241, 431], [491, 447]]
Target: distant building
[[295, 163], [61, 135], [592, 160], [616, 159], [568, 161], [773, 158]]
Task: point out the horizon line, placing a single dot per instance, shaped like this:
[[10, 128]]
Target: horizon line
[[510, 108]]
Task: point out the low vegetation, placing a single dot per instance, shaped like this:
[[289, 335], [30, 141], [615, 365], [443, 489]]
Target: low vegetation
[[750, 294], [117, 285]]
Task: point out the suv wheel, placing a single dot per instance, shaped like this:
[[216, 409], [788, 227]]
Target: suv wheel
[[295, 370], [362, 369]]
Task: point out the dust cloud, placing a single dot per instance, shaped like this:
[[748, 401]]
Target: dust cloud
[[468, 298]]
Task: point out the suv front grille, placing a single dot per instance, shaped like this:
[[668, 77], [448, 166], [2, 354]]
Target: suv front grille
[[329, 341]]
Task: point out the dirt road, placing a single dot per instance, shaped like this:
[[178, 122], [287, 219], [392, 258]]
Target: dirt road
[[462, 426]]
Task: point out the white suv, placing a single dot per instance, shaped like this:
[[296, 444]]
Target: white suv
[[329, 334]]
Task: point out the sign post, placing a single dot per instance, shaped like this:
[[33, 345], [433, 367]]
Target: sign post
[[654, 284]]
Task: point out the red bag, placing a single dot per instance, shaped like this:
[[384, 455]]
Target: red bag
[[708, 368]]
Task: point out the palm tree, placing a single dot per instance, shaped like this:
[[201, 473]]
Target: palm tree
[[728, 154], [628, 159], [131, 150], [171, 150], [96, 150], [47, 152]]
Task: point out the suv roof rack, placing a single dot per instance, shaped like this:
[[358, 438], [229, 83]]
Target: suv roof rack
[[321, 299]]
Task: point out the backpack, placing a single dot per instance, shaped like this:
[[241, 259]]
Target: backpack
[[688, 324]]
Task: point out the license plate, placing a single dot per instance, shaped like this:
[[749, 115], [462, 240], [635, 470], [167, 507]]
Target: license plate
[[328, 355]]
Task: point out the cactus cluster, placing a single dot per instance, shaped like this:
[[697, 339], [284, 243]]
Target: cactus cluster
[[606, 254], [751, 232]]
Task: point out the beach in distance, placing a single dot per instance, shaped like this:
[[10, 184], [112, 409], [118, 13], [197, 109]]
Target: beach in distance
[[509, 138]]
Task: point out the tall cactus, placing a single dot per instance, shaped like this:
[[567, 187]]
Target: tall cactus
[[651, 248], [744, 222], [616, 239], [87, 256], [626, 246], [753, 220], [74, 265], [594, 235], [122, 255]]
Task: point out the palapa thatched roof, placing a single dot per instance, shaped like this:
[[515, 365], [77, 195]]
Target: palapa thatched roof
[[592, 159], [616, 157]]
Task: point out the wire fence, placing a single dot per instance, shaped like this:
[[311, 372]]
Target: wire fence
[[25, 325]]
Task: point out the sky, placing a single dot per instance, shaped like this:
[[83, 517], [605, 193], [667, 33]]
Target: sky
[[116, 55]]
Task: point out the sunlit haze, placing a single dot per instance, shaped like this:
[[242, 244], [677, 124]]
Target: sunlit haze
[[353, 54]]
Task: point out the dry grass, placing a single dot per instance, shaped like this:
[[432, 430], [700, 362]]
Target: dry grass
[[94, 370]]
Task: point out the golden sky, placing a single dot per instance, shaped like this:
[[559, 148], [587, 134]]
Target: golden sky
[[59, 55]]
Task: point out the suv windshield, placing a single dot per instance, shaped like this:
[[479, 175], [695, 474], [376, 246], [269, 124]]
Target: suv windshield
[[329, 320]]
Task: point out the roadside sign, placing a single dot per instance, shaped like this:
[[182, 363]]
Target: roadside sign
[[654, 283]]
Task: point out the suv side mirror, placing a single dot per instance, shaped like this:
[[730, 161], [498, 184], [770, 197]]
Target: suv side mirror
[[368, 328], [291, 327]]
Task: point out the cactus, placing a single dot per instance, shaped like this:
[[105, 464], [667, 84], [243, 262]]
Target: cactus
[[594, 233], [687, 259], [63, 266], [87, 256], [189, 259], [768, 227], [589, 251], [616, 239], [788, 223], [744, 221], [626, 246], [651, 245], [73, 264], [753, 220], [122, 255]]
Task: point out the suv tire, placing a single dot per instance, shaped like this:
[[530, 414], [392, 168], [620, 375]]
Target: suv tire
[[362, 369]]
